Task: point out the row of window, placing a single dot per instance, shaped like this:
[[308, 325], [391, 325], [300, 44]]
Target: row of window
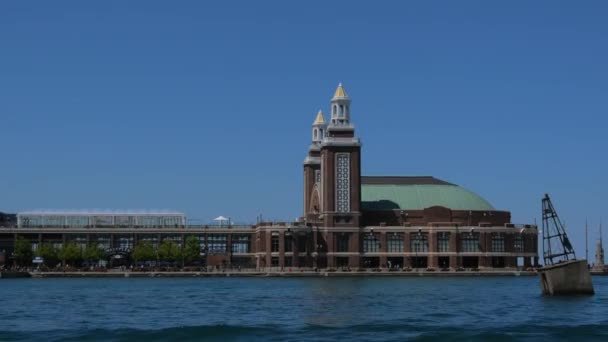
[[469, 242], [274, 244], [101, 221], [213, 243]]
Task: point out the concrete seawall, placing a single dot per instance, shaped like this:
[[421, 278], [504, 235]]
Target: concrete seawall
[[274, 274]]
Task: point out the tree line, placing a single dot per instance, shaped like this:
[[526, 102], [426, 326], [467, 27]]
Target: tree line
[[75, 254]]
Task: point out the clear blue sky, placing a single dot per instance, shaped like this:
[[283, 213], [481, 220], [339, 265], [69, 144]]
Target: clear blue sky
[[205, 107]]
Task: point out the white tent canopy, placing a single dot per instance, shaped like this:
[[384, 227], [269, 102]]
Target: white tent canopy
[[222, 220]]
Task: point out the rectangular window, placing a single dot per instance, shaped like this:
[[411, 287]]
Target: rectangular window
[[443, 242], [371, 243], [123, 242], [302, 243], [77, 221], [152, 239], [343, 239], [470, 242], [148, 221], [216, 243], [52, 221], [395, 243], [498, 243], [288, 242], [103, 221], [123, 221], [102, 241], [519, 244], [274, 243], [419, 242], [240, 244], [342, 182], [175, 238]]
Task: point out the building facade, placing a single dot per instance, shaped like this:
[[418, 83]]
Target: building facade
[[349, 221], [353, 222]]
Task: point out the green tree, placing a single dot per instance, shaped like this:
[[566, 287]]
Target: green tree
[[47, 252], [93, 253], [23, 251], [70, 253], [169, 251], [144, 251], [192, 249]]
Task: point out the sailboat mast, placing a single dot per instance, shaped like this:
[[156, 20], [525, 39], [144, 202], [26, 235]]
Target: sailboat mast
[[587, 242]]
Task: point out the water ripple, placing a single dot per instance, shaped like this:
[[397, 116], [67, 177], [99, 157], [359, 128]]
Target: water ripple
[[269, 309]]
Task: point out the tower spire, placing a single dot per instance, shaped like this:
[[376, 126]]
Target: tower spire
[[320, 118], [340, 92], [319, 128], [340, 108], [599, 254]]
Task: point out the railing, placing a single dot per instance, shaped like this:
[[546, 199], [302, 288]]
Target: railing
[[520, 226], [173, 226], [246, 226]]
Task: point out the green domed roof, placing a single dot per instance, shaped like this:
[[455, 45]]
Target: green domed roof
[[417, 193]]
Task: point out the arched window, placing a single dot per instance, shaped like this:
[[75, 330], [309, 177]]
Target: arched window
[[335, 109], [341, 112], [314, 134], [320, 134]]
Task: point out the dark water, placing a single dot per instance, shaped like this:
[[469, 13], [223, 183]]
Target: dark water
[[263, 309]]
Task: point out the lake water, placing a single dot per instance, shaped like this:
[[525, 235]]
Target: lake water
[[264, 309]]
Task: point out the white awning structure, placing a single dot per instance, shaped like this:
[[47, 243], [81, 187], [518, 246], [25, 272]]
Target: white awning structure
[[222, 220]]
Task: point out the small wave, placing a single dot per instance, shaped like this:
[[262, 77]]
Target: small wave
[[192, 333], [392, 331]]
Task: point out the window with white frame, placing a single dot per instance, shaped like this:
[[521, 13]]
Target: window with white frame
[[443, 242], [371, 243], [395, 242], [419, 242], [519, 244], [498, 243], [470, 242]]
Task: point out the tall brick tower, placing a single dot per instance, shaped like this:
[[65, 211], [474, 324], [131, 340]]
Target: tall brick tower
[[340, 163]]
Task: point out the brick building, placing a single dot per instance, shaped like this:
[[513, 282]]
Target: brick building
[[349, 221], [353, 221]]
